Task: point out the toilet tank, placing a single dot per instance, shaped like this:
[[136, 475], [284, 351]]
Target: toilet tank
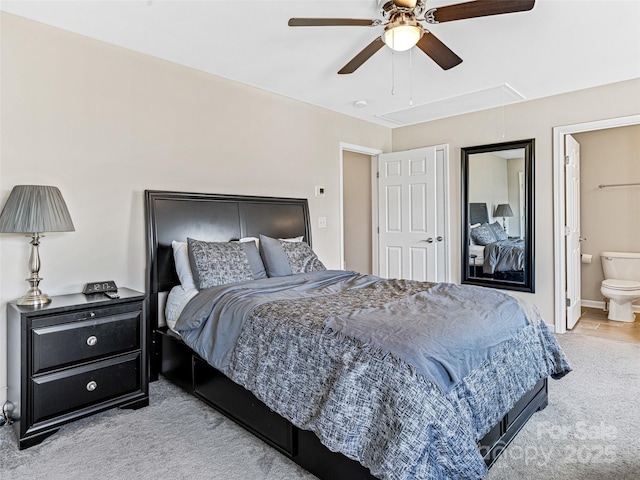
[[621, 265]]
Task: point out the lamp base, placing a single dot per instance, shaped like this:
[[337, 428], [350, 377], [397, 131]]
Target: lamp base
[[34, 300], [34, 296]]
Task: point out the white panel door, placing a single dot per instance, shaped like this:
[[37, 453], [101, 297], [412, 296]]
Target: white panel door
[[412, 214], [573, 250]]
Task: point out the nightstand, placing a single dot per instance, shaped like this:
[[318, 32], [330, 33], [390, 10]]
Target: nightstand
[[76, 356], [473, 267]]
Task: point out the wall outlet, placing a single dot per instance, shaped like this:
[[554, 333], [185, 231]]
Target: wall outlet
[[322, 222]]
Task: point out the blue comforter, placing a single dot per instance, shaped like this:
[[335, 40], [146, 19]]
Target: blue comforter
[[408, 398], [504, 256], [442, 332]]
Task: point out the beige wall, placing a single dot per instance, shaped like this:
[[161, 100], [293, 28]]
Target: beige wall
[[515, 168], [104, 123], [610, 217], [532, 119], [488, 181], [494, 180]]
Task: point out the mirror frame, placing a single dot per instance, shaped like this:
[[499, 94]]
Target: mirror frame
[[528, 285]]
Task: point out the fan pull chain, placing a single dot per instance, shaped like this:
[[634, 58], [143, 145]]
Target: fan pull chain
[[411, 77], [393, 73]]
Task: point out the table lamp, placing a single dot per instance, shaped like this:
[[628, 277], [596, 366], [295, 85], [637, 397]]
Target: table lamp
[[503, 210], [35, 209]]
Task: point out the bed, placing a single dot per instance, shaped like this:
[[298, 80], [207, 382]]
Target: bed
[[492, 254], [322, 418]]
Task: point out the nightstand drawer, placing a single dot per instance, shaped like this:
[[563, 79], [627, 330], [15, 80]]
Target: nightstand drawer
[[63, 392], [69, 343]]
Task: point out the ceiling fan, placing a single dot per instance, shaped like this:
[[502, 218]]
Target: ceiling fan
[[403, 30]]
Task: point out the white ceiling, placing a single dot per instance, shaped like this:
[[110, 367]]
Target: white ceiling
[[559, 46]]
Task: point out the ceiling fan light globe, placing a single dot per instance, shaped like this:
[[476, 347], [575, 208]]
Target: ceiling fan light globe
[[402, 37]]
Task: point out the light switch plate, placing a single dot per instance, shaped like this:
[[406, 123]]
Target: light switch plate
[[319, 191]]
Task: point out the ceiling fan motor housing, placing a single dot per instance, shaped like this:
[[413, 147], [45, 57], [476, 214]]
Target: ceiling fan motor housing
[[389, 7], [403, 29]]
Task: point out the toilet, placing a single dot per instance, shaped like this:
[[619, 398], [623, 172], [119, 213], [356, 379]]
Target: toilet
[[621, 284]]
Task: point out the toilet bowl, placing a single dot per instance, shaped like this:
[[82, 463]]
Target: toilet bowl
[[621, 284], [621, 295]]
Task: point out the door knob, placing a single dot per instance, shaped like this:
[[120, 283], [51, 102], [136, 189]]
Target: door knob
[[428, 240]]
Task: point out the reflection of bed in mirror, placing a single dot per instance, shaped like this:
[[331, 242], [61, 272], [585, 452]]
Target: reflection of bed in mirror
[[492, 254]]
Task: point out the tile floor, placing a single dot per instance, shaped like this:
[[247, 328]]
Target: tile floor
[[594, 322]]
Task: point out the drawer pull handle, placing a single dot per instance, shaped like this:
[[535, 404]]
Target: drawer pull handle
[[92, 314], [92, 340], [92, 385]]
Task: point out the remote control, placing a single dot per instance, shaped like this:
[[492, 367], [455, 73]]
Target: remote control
[[112, 295]]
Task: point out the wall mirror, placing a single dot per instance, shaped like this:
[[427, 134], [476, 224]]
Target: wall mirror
[[497, 215]]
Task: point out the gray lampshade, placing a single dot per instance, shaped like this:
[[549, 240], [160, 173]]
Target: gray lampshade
[[35, 209], [503, 210]]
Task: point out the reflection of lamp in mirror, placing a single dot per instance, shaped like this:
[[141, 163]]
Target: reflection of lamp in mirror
[[503, 210], [35, 209]]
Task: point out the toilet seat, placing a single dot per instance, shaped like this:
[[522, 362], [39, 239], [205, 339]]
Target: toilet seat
[[621, 285]]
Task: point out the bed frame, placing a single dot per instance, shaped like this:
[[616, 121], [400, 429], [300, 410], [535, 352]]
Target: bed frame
[[176, 216]]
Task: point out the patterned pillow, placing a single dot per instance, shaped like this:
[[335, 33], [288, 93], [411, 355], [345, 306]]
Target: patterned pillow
[[218, 263], [301, 258], [282, 257], [498, 231], [483, 235]]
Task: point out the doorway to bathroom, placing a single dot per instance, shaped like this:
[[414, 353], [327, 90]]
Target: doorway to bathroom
[[604, 223]]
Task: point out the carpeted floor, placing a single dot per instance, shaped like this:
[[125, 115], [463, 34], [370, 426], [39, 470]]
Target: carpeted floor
[[591, 428], [176, 437], [589, 431]]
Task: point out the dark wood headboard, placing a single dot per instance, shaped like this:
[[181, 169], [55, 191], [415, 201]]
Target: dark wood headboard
[[478, 213], [211, 217]]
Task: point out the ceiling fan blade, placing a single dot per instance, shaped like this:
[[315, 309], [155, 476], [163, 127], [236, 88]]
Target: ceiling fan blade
[[479, 8], [331, 22], [363, 56], [438, 51]]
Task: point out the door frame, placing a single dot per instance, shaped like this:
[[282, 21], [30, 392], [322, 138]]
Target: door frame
[[373, 153], [559, 206]]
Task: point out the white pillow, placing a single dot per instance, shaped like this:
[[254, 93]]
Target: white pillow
[[176, 301], [257, 240], [292, 239], [183, 268]]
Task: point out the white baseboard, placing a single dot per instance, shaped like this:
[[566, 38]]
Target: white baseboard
[[601, 305], [593, 304]]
